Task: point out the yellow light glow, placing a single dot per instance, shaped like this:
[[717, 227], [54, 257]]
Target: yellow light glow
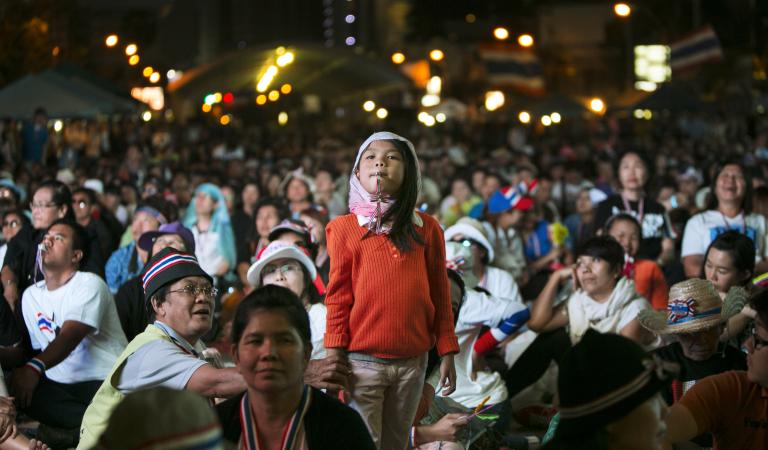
[[597, 105], [146, 116], [225, 119], [286, 88], [273, 96], [398, 58], [470, 18], [280, 50], [525, 40], [546, 121], [494, 100], [647, 114], [638, 113], [282, 118], [524, 117], [261, 99], [111, 40], [501, 33], [434, 85], [267, 78], [133, 60], [440, 117], [369, 105], [147, 71], [217, 97], [382, 113], [154, 78], [436, 55], [131, 49], [206, 108], [430, 100], [555, 116], [429, 120], [285, 59], [622, 9], [58, 125]]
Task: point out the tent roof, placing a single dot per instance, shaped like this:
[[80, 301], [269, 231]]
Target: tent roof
[[61, 96], [327, 73]]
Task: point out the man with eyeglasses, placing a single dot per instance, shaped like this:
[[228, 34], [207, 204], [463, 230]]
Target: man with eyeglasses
[[73, 329], [733, 406], [169, 353]]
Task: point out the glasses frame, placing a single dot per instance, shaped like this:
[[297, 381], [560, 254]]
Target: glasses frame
[[194, 290]]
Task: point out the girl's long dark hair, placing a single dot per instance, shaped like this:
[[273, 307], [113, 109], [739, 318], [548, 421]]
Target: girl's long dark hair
[[403, 232]]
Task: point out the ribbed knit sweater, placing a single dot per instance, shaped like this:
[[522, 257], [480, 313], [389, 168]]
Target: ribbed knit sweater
[[383, 302]]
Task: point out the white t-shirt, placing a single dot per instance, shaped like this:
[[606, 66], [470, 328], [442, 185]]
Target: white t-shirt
[[704, 227], [317, 314], [86, 299], [208, 251], [478, 310], [500, 284]]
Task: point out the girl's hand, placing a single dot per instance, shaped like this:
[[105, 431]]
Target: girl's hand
[[447, 376]]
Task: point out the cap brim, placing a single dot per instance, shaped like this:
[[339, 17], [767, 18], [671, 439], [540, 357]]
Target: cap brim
[[524, 204], [147, 240], [254, 272]]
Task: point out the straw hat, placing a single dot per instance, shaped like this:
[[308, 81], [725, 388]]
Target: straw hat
[[694, 305]]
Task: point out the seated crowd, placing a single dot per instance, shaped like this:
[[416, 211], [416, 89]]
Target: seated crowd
[[303, 309]]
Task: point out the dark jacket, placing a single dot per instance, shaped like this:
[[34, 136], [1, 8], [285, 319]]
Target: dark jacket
[[328, 424], [132, 308]]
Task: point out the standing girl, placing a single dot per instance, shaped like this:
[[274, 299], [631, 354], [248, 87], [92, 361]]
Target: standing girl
[[388, 299]]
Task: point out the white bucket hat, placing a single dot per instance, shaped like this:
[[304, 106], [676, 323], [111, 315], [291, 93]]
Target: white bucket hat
[[279, 250], [471, 229]]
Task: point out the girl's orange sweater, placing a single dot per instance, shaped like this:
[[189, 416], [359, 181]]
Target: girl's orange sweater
[[383, 302]]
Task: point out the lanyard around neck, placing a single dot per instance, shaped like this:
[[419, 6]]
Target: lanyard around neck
[[728, 226], [640, 206], [249, 438]]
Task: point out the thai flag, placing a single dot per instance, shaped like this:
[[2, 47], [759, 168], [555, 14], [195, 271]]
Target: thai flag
[[44, 323], [520, 70], [698, 47]]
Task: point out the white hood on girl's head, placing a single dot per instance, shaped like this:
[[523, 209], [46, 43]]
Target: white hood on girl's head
[[385, 136]]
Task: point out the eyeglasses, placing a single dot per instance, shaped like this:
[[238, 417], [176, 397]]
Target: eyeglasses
[[757, 342], [80, 203], [192, 290], [42, 205], [11, 223], [271, 270]]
